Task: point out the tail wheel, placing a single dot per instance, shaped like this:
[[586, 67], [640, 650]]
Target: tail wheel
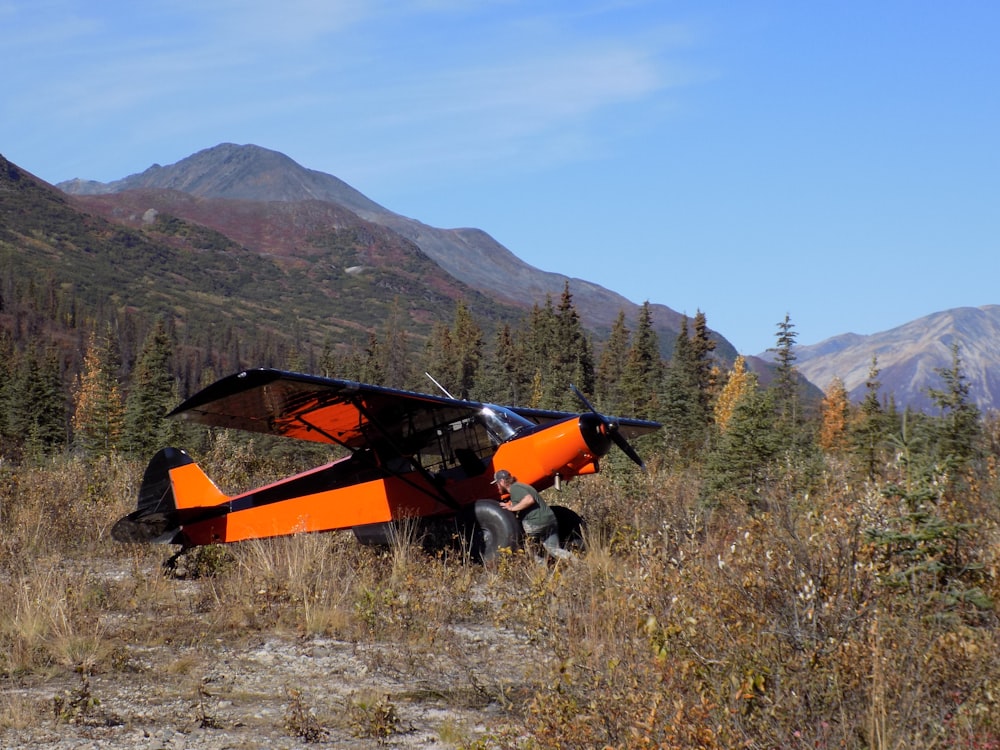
[[570, 527], [489, 529]]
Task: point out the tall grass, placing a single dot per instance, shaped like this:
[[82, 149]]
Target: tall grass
[[681, 625]]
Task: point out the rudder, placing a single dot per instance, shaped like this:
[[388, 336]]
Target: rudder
[[172, 481]]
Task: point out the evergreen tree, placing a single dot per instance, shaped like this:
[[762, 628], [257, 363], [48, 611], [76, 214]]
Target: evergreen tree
[[682, 409], [441, 358], [702, 360], [98, 413], [39, 415], [740, 463], [503, 378], [328, 360], [371, 362], [924, 550], [294, 361], [453, 355], [784, 385], [151, 394], [395, 351], [8, 373], [643, 371], [570, 357], [870, 430], [611, 365], [958, 430], [467, 337], [540, 342]]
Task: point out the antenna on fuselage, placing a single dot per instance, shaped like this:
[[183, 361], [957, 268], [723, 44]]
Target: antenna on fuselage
[[443, 389]]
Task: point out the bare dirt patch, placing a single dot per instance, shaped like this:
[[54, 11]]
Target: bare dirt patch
[[174, 669]]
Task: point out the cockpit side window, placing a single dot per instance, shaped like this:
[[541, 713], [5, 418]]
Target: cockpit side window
[[458, 448]]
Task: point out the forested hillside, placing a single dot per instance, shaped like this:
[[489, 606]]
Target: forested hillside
[[165, 305]]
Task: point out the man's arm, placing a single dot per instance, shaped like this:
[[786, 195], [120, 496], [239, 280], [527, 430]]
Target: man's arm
[[526, 501]]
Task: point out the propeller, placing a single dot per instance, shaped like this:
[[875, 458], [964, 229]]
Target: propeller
[[610, 428]]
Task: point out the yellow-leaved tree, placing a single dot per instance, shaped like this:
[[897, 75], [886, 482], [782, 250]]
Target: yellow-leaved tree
[[738, 384], [833, 435], [98, 405]]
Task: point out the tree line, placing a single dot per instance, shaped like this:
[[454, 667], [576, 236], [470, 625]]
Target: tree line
[[100, 389]]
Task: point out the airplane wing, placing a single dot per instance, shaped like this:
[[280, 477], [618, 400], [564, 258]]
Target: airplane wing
[[323, 410], [628, 427]]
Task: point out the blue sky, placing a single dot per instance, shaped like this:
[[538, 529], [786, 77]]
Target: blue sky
[[838, 162]]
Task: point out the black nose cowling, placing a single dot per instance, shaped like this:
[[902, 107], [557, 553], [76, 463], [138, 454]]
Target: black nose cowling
[[595, 433], [603, 431]]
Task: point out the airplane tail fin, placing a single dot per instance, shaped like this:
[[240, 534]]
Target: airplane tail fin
[[172, 484]]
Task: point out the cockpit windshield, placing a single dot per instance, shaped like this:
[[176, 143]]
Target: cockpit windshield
[[502, 423]]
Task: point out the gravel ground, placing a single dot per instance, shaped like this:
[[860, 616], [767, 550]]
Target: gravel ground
[[278, 692], [275, 690]]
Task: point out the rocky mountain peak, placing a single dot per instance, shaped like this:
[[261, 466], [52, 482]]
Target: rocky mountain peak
[[249, 172]]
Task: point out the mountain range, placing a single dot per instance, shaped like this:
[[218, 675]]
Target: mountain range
[[258, 175], [265, 203], [908, 358]]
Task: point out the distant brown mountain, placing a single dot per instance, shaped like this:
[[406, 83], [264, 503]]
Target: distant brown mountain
[[254, 174], [328, 276], [910, 356]]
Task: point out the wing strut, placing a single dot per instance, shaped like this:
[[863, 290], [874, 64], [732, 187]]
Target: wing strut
[[441, 495]]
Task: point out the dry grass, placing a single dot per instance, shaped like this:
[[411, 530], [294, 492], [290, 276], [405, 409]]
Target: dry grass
[[681, 626]]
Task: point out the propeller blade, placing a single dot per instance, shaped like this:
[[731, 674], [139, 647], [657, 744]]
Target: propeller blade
[[629, 451], [612, 430], [583, 400]]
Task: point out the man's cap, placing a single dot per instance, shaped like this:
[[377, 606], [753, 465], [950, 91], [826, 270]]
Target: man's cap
[[502, 476]]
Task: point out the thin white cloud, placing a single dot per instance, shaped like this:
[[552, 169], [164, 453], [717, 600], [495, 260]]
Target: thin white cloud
[[274, 24], [439, 82]]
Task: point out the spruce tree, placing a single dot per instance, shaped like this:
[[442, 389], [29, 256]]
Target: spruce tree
[[958, 429], [8, 373], [784, 385], [869, 430], [370, 364], [504, 379], [643, 372], [611, 365], [703, 361], [441, 358], [39, 402], [740, 464], [467, 337], [540, 342], [570, 356], [453, 355], [395, 351], [682, 410], [925, 550], [328, 360], [150, 395]]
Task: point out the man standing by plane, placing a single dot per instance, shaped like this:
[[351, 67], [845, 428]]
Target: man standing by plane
[[536, 516]]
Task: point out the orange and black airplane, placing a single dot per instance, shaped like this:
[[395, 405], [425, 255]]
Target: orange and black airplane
[[412, 455]]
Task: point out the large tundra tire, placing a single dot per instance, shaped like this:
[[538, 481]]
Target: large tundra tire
[[489, 529], [570, 528]]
